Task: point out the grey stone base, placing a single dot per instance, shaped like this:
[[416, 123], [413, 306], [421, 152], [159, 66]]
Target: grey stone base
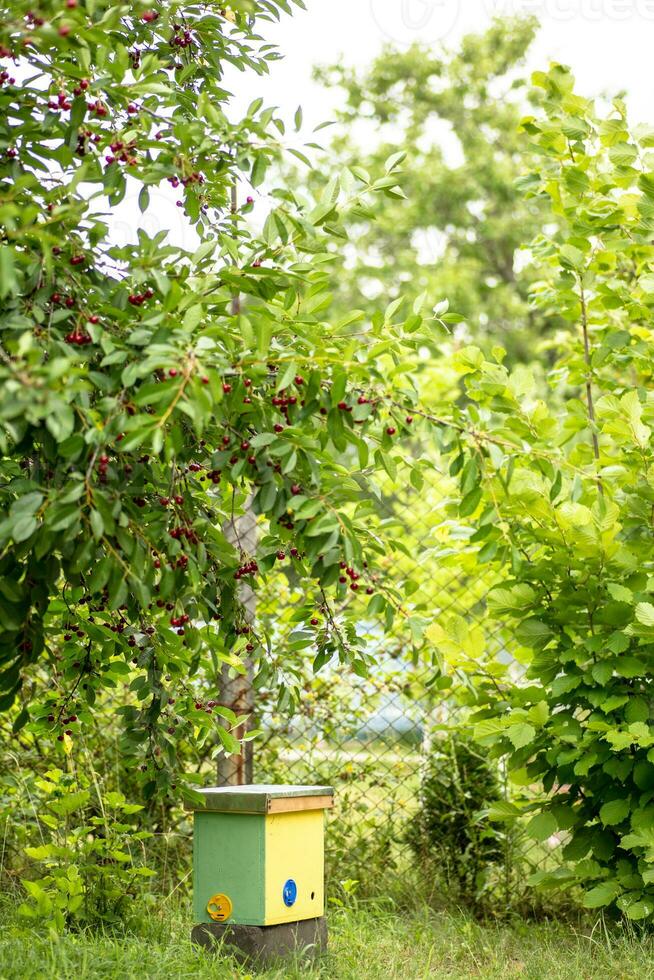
[[264, 943]]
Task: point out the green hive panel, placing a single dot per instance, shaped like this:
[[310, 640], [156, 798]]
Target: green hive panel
[[229, 857]]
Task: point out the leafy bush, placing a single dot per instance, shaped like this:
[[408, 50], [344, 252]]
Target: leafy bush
[[91, 854], [561, 495], [449, 834]]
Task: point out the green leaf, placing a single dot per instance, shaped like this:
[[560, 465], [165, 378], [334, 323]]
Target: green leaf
[[645, 613], [23, 527], [470, 502], [542, 826], [521, 734], [614, 812], [602, 894], [8, 277]]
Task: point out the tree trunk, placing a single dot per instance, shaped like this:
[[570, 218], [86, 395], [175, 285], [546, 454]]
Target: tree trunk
[[236, 689]]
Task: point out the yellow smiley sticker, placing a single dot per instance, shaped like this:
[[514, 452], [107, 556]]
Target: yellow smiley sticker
[[219, 907]]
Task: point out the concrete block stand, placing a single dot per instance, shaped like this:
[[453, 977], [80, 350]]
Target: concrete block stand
[[264, 944]]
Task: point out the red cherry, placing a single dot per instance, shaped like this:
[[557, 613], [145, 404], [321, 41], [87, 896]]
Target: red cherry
[[94, 319], [149, 15], [204, 379], [390, 430], [343, 406], [296, 489], [409, 419], [173, 372], [281, 555], [278, 427], [227, 387]]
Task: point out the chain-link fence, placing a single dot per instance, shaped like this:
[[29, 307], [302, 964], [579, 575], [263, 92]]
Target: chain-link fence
[[370, 736]]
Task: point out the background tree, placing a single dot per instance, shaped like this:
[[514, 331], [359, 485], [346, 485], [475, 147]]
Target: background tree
[[453, 229]]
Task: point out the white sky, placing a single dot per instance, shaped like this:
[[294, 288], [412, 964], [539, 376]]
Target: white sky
[[608, 43]]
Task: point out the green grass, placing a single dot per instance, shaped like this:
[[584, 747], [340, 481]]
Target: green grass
[[370, 941]]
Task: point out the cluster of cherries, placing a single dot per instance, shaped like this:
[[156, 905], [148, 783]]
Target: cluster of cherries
[[283, 403], [177, 533], [181, 38], [98, 108], [6, 77], [179, 622], [78, 338], [195, 178], [33, 19], [200, 706], [245, 630], [65, 721], [248, 568], [62, 103], [353, 577], [84, 136], [122, 153], [138, 299]]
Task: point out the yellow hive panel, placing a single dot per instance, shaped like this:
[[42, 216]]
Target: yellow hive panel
[[294, 850]]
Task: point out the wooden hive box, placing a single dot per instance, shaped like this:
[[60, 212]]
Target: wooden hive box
[[258, 854]]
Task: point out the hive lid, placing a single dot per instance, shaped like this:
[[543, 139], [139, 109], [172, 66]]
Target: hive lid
[[264, 798]]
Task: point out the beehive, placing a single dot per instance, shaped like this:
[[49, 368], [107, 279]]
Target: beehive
[[258, 854]]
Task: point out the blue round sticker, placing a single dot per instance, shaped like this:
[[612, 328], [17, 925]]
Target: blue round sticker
[[289, 892]]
